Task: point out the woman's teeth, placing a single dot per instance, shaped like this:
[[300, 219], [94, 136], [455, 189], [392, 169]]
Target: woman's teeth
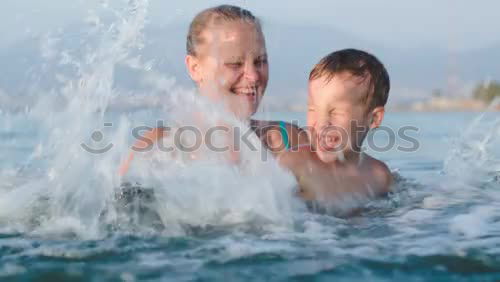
[[248, 93]]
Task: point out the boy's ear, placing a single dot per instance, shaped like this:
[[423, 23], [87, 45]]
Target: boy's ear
[[377, 117], [193, 67]]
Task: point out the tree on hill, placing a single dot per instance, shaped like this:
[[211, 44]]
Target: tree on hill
[[487, 91]]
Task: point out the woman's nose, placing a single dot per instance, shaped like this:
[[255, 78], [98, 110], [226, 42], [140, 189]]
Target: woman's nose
[[251, 72]]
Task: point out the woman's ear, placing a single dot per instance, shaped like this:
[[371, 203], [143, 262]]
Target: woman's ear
[[377, 117], [193, 67]]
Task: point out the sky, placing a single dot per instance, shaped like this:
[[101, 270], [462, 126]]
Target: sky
[[447, 24], [450, 45]]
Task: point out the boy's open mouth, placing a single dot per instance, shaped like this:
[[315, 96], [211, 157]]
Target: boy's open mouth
[[329, 143]]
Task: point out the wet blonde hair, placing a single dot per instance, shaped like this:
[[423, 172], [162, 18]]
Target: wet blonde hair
[[215, 15]]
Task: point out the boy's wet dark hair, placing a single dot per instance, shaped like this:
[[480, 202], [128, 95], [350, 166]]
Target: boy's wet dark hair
[[360, 64]]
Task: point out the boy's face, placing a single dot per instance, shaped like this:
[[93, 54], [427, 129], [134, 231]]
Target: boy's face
[[338, 116]]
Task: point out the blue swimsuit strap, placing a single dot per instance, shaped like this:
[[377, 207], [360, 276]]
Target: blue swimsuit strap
[[284, 134]]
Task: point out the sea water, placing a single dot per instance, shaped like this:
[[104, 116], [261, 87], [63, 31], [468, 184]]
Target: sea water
[[61, 218]]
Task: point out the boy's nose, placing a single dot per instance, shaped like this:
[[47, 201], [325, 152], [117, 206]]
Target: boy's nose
[[323, 122]]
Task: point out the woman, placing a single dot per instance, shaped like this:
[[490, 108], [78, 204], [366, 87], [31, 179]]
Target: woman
[[227, 60]]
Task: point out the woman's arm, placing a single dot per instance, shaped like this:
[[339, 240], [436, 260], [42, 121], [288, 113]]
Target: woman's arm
[[143, 144]]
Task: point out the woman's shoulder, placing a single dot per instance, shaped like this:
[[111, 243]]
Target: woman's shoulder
[[287, 135], [273, 124]]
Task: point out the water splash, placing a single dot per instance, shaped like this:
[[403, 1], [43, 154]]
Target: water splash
[[474, 156], [74, 192]]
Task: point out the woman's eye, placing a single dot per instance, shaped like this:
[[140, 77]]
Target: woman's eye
[[310, 110], [234, 64], [261, 62]]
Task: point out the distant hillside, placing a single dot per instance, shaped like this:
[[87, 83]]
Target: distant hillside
[[293, 50]]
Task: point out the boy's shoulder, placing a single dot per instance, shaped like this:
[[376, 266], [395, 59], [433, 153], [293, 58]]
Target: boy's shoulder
[[379, 173]]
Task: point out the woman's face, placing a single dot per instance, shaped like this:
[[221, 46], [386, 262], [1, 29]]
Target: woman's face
[[231, 66]]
